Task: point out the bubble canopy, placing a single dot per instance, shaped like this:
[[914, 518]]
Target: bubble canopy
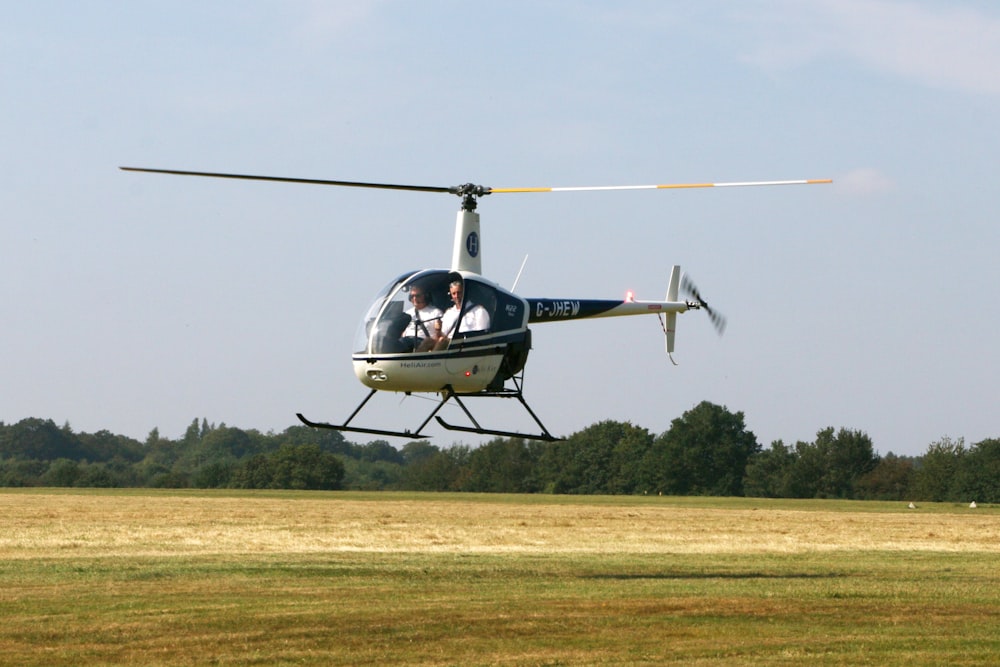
[[414, 307]]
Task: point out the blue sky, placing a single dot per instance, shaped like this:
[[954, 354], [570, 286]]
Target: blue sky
[[136, 301]]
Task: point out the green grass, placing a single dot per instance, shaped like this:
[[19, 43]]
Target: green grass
[[88, 599]]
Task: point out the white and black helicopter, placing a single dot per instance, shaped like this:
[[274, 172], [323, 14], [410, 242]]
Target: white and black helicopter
[[453, 333]]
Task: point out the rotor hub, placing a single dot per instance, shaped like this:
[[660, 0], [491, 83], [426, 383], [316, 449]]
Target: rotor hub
[[469, 193]]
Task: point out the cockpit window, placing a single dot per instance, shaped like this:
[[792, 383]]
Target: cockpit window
[[417, 313], [363, 335]]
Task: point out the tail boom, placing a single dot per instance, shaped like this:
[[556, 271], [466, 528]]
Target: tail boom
[[559, 310]]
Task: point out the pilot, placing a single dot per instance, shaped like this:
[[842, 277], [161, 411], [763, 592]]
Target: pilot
[[473, 317], [424, 328]]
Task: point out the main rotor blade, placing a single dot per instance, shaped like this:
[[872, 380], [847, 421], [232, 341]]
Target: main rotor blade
[[469, 189], [668, 186], [284, 179]]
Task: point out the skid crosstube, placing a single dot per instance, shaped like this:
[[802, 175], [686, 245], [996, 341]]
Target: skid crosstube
[[506, 393]]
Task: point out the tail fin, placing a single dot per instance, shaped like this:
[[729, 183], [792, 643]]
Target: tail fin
[[671, 318]]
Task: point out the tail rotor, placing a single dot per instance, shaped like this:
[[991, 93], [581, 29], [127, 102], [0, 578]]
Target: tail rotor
[[698, 302]]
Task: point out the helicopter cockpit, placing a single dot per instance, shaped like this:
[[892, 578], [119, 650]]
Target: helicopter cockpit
[[411, 313]]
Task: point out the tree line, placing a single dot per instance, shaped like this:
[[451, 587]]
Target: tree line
[[706, 451]]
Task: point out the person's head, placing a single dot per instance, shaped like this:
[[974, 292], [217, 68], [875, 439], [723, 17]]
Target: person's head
[[418, 297], [455, 292]]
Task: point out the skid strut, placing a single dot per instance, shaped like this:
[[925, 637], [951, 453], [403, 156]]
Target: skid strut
[[447, 394]]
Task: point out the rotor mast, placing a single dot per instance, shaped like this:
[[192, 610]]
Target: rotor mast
[[466, 254]]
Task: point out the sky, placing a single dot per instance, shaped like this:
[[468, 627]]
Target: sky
[[138, 301]]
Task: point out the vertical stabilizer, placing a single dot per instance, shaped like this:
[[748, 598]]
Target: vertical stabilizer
[[670, 326]]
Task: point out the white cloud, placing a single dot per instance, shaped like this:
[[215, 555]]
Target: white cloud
[[323, 23], [950, 47], [864, 181]]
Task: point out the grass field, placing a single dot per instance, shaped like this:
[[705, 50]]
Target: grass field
[[236, 578]]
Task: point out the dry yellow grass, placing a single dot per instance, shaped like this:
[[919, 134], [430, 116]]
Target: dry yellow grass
[[84, 524], [191, 578]]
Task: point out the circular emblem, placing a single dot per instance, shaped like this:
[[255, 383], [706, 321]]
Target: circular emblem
[[472, 244]]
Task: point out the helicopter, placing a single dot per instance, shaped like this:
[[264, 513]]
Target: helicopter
[[465, 336]]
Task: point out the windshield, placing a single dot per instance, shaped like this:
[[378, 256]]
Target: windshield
[[361, 338], [427, 310], [406, 316]]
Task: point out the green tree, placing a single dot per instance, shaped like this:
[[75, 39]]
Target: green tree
[[802, 479], [606, 457], [193, 432], [62, 472], [364, 475], [831, 466], [936, 475], [847, 455], [170, 480], [213, 475], [41, 440], [502, 465], [889, 480], [416, 451], [378, 450], [767, 472], [628, 472], [705, 452], [306, 467], [207, 457], [428, 468], [105, 445], [96, 476], [255, 472], [224, 443], [22, 472], [979, 473], [326, 439], [161, 452]]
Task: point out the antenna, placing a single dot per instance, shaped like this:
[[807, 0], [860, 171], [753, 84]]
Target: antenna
[[519, 271]]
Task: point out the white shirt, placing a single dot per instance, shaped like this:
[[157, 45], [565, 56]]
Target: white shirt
[[428, 315], [475, 318]]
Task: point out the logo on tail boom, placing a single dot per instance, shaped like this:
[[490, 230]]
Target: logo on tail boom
[[557, 308]]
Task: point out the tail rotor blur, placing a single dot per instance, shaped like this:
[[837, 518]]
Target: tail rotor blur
[[697, 301]]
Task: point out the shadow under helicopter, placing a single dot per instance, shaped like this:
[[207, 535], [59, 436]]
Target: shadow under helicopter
[[624, 576]]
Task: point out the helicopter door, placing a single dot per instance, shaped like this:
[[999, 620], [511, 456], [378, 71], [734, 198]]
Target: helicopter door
[[475, 315]]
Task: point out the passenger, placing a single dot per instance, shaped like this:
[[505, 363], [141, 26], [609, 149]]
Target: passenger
[[424, 328], [473, 317]]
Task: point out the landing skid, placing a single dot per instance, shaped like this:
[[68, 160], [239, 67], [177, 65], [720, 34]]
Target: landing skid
[[448, 394], [355, 429], [373, 431]]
